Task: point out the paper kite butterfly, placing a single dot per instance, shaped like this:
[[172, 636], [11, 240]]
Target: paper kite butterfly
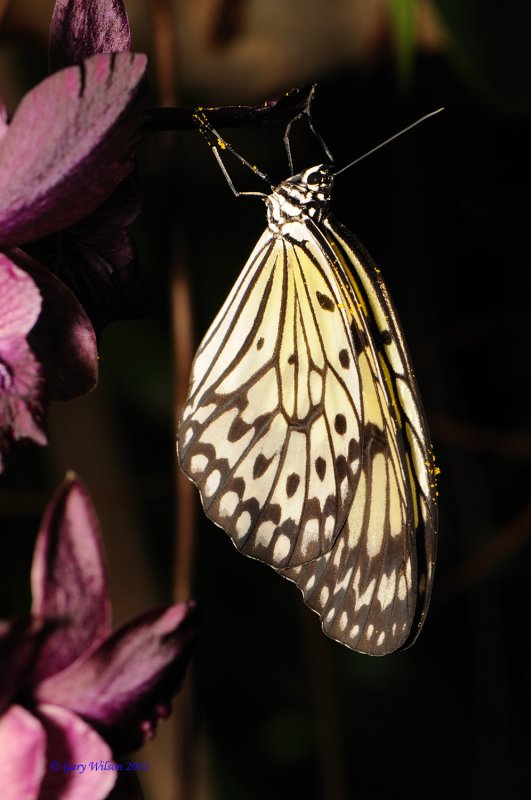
[[303, 428]]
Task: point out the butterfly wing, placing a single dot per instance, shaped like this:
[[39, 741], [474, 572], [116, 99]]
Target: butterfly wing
[[271, 428], [372, 588]]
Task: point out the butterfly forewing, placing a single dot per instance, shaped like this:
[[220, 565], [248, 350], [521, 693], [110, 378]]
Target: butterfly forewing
[[270, 430]]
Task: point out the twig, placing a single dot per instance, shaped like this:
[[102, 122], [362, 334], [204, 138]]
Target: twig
[[326, 713], [166, 69], [269, 112]]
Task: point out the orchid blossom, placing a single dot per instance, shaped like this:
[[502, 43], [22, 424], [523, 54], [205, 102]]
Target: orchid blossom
[[65, 200], [72, 690]]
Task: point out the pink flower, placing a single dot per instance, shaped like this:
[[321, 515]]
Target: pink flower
[[63, 155], [72, 691], [20, 377]]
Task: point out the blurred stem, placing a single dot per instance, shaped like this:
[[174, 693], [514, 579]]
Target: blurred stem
[[3, 7], [402, 14], [323, 684], [164, 51], [166, 71], [182, 336]]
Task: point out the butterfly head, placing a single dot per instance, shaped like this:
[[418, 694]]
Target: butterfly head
[[316, 179], [301, 197]]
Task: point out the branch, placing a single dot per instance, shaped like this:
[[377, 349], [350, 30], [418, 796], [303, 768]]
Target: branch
[[279, 109]]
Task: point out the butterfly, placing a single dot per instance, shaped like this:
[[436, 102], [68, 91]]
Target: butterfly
[[303, 428]]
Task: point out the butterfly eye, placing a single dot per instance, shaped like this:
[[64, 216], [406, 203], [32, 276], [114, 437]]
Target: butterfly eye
[[314, 178]]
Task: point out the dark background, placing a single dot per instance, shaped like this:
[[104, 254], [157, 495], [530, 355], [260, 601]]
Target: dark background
[[443, 211], [281, 711]]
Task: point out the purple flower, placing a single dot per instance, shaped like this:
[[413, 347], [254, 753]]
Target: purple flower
[[71, 690], [20, 376], [43, 356], [63, 155], [68, 146], [96, 257], [81, 28]]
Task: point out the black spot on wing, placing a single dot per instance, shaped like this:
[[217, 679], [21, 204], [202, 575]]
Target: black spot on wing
[[341, 468], [344, 358], [320, 467], [261, 421], [260, 465], [340, 424], [326, 303], [359, 339], [237, 429], [271, 513], [292, 484], [353, 450]]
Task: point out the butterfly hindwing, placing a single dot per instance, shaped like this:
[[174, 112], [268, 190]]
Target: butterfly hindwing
[[372, 589]]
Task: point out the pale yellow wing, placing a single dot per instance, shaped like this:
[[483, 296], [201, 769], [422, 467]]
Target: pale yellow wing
[[271, 429], [372, 589]]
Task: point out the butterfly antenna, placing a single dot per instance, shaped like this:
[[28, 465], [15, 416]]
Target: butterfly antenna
[[216, 143], [306, 112], [391, 138]]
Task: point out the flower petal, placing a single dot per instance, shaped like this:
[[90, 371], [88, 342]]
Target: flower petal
[[20, 301], [72, 745], [22, 403], [68, 145], [97, 259], [20, 642], [81, 28], [68, 579], [3, 119], [63, 339], [126, 685], [23, 747]]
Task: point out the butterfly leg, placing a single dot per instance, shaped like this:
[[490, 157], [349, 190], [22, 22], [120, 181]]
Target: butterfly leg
[[217, 142], [305, 113], [229, 179]]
